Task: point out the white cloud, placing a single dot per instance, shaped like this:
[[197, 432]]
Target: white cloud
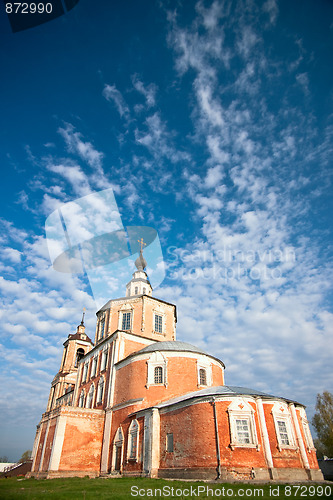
[[111, 93], [158, 140], [249, 273], [149, 91], [270, 6], [12, 254], [85, 150]]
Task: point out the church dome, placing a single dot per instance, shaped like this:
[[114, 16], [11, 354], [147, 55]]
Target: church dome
[[174, 345]]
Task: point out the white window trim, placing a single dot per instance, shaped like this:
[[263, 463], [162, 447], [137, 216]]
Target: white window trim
[[101, 322], [100, 392], [157, 359], [280, 412], [118, 442], [82, 398], [205, 366], [307, 433], [131, 433], [159, 312], [88, 396], [85, 372], [104, 359], [241, 409], [125, 309], [94, 366]]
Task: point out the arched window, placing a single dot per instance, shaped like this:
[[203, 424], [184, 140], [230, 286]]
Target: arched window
[[202, 377], [90, 396], [81, 399], [100, 390], [79, 355], [117, 455], [133, 436], [158, 375]]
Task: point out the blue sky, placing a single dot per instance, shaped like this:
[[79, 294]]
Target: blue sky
[[212, 123]]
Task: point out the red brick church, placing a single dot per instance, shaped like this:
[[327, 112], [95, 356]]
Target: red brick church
[[138, 402]]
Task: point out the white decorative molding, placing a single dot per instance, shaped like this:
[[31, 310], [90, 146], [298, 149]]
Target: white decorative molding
[[281, 413], [243, 433], [204, 364], [118, 442], [155, 360], [133, 441]]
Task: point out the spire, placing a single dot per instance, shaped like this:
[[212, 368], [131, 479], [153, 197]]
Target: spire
[[81, 328], [82, 320]]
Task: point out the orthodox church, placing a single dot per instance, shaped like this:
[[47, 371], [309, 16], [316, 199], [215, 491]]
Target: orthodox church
[[138, 402]]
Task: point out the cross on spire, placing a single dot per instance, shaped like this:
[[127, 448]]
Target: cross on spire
[[84, 312], [142, 244]]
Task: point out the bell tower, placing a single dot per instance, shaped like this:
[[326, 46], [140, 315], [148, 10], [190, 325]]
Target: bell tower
[[75, 347], [138, 313]]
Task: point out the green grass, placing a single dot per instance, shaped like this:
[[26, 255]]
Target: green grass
[[120, 488]]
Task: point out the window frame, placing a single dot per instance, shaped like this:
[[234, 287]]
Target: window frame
[[133, 441], [204, 365], [100, 390], [169, 442], [124, 322], [90, 397], [157, 359], [281, 413], [94, 363], [81, 402], [203, 380], [158, 375], [102, 329], [104, 360], [85, 372], [241, 410], [158, 323]]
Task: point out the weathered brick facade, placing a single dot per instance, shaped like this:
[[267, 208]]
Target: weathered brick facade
[[138, 402]]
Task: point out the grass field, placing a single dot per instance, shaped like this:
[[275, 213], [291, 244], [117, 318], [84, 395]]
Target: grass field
[[128, 488]]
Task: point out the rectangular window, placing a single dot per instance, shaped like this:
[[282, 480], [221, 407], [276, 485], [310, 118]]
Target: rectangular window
[[243, 431], [85, 371], [283, 432], [133, 445], [104, 359], [158, 375], [102, 328], [93, 367], [169, 442], [158, 323], [126, 323]]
